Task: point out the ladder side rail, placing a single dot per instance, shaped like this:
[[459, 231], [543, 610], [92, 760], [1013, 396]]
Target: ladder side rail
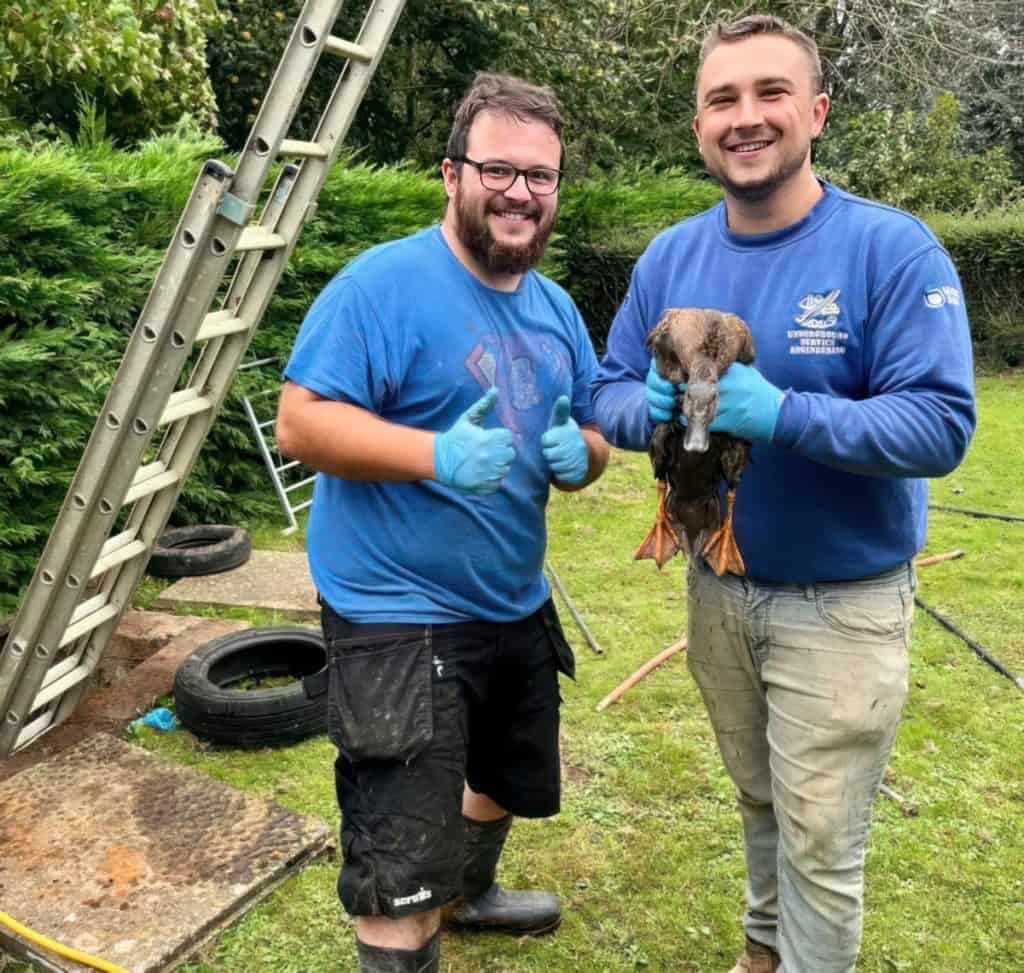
[[187, 434], [348, 93], [203, 286], [92, 499], [248, 266], [257, 275], [179, 452], [22, 698], [281, 102]]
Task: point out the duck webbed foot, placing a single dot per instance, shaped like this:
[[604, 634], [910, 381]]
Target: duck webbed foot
[[721, 551], [662, 542]]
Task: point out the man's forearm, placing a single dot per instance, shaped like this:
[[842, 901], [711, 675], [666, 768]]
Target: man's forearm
[[349, 442], [908, 434]]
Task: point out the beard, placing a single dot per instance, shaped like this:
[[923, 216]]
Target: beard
[[501, 258], [760, 190]]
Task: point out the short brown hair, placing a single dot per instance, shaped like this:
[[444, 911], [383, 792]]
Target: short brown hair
[[729, 32], [504, 95]]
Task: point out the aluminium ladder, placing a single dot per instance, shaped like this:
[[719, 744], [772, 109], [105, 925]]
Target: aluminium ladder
[[125, 481]]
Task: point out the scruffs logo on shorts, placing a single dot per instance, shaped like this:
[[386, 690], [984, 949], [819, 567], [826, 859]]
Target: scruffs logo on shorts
[[817, 330], [421, 896], [941, 296]]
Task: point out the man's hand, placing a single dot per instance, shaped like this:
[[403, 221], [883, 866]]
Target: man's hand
[[470, 458], [748, 404], [565, 450], [661, 397]]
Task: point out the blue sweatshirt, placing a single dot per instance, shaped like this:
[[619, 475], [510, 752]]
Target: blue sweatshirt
[[858, 314]]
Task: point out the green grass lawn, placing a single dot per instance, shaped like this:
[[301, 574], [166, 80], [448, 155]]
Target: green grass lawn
[[646, 853]]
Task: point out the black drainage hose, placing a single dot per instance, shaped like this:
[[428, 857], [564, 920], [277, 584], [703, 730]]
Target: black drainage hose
[[971, 644], [976, 513]]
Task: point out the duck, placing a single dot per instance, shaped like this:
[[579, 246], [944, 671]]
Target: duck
[[696, 346]]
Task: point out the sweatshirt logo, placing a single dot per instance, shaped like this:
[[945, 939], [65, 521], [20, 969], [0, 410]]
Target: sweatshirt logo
[[819, 311], [817, 330], [941, 296]]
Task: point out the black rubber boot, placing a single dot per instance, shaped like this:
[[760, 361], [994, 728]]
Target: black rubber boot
[[485, 905], [383, 959]]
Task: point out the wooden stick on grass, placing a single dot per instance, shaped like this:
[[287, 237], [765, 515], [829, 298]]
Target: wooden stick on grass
[[647, 667], [923, 562]]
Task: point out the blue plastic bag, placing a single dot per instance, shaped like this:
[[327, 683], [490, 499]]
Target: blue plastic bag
[[161, 719]]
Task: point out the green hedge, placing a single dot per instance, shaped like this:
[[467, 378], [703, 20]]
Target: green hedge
[[82, 233], [989, 255]]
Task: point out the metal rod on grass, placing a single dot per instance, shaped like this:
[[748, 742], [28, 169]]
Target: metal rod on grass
[[576, 616], [976, 513], [640, 673], [970, 643]]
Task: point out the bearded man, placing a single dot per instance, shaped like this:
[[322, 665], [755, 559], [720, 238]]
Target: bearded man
[[862, 388], [440, 386]]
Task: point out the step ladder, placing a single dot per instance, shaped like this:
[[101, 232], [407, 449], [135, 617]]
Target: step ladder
[[126, 485], [293, 482]]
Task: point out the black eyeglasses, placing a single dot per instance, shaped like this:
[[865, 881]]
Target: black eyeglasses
[[499, 176]]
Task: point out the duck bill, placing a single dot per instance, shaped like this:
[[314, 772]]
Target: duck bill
[[696, 438]]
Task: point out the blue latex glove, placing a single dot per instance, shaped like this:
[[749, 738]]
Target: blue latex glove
[[470, 458], [748, 404], [565, 449], [661, 396]]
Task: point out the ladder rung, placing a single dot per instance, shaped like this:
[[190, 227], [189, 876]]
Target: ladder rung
[[335, 45], [300, 484], [149, 479], [87, 624], [259, 238], [114, 554], [302, 150], [34, 729], [61, 686], [220, 323], [287, 466], [187, 402], [86, 608], [55, 672]]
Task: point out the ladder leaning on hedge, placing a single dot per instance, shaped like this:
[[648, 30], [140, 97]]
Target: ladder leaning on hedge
[[87, 573]]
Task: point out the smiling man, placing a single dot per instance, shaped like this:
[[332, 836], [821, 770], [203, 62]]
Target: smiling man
[[441, 386], [861, 389]]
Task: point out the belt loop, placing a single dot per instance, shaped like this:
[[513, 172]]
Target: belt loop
[[428, 634]]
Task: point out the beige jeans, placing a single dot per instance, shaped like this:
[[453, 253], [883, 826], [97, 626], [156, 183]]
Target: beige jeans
[[804, 685]]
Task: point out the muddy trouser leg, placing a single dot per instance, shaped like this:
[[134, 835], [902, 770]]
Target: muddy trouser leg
[[721, 656], [804, 686], [379, 959]]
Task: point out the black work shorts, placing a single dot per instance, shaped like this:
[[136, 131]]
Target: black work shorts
[[415, 712]]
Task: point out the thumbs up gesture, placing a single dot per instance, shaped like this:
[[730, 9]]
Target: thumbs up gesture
[[565, 450], [470, 458]]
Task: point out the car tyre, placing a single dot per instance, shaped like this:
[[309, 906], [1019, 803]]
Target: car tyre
[[210, 702], [201, 549]]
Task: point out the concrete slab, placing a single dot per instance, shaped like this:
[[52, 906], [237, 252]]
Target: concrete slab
[[117, 853], [276, 581]]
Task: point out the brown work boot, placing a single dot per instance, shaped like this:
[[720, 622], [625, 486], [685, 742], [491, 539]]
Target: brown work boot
[[756, 958]]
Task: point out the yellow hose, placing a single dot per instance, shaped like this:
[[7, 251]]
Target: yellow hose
[[58, 948]]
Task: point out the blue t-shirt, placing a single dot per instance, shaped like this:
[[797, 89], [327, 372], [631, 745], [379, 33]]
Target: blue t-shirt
[[407, 332], [857, 312]]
